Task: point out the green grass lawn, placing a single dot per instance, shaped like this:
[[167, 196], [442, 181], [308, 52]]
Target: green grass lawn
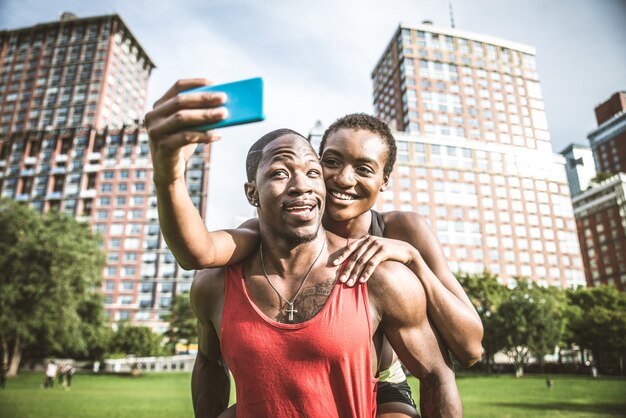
[[507, 397], [168, 395], [150, 395]]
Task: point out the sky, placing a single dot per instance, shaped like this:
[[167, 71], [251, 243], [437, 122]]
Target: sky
[[316, 58]]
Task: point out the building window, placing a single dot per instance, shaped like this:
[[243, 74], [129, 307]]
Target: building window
[[126, 285]]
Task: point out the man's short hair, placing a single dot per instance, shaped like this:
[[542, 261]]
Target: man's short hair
[[362, 121], [255, 153]]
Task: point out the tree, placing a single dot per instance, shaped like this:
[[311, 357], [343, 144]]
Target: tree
[[96, 330], [597, 321], [182, 322], [531, 320], [486, 294], [50, 265], [549, 302], [139, 341]]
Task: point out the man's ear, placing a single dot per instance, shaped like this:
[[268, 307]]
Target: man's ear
[[385, 184], [252, 193]]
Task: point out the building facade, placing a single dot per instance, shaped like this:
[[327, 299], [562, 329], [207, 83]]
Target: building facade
[[608, 140], [601, 210], [70, 141], [104, 178], [580, 167], [474, 153], [72, 72], [601, 219]]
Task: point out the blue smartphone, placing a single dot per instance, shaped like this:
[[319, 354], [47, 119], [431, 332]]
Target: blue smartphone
[[244, 102]]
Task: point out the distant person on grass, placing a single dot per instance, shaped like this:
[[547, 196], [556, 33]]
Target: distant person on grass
[[69, 374], [51, 371]]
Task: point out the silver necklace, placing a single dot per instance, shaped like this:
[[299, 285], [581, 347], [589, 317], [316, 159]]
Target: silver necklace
[[291, 310]]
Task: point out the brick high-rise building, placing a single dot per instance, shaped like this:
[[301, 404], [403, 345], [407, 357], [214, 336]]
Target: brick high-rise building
[[601, 210], [608, 140], [105, 178], [601, 218], [474, 153], [69, 141], [72, 72]]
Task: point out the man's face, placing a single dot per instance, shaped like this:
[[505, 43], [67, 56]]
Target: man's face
[[290, 189]]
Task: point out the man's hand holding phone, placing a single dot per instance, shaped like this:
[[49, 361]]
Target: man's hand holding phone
[[187, 114], [170, 127]]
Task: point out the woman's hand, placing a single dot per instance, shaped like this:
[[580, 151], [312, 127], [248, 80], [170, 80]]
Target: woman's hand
[[365, 254]]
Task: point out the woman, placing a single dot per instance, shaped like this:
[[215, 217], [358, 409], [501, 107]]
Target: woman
[[357, 155]]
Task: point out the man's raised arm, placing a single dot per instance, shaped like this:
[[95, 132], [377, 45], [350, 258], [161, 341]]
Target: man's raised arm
[[400, 303], [210, 381], [172, 142]]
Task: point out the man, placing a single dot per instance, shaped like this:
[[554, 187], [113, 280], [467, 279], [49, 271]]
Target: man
[[51, 372], [298, 343], [69, 374]]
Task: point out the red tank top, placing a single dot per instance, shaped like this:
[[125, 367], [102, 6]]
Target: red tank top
[[316, 369]]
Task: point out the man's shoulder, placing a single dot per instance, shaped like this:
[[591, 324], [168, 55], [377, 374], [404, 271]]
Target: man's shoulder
[[391, 276], [207, 288], [394, 286], [205, 279]]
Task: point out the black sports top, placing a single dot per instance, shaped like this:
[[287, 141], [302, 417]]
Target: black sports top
[[377, 227]]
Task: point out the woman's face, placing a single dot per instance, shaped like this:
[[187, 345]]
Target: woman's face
[[353, 163]]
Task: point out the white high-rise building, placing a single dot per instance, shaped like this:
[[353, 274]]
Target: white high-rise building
[[474, 153]]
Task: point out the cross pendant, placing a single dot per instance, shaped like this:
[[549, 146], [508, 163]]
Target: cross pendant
[[290, 311]]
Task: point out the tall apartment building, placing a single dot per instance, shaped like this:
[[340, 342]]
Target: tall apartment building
[[105, 178], [601, 219], [601, 211], [580, 167], [474, 153], [72, 72], [70, 142], [608, 140]]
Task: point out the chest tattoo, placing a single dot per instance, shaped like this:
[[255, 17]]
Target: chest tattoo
[[309, 303]]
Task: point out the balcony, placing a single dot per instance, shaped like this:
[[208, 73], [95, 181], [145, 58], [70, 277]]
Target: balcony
[[61, 158], [54, 196], [89, 193], [58, 170], [90, 168], [3, 163], [22, 197], [27, 161], [94, 156], [27, 172]]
